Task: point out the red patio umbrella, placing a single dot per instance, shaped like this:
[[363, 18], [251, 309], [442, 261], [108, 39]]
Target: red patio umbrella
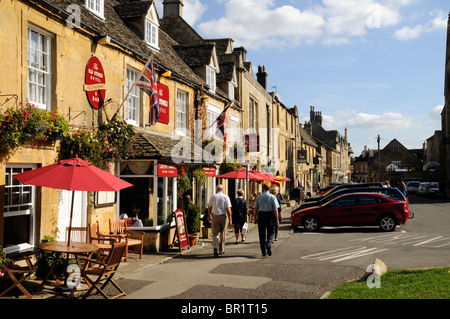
[[74, 175], [240, 174]]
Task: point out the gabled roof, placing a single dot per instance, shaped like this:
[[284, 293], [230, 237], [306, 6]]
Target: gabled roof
[[116, 28], [227, 72], [198, 54], [133, 9], [306, 138]]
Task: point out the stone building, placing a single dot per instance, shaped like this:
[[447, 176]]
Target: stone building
[[50, 44], [338, 150]]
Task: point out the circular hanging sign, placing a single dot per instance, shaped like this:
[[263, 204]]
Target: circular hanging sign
[[95, 83]]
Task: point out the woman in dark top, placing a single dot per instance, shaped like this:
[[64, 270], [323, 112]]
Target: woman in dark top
[[239, 209]]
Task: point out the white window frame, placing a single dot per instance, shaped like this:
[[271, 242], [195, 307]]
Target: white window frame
[[211, 78], [234, 129], [18, 187], [213, 112], [133, 102], [41, 83], [231, 91], [181, 113], [97, 7], [151, 34]]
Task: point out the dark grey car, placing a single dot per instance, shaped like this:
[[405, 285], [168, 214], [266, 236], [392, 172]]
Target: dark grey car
[[389, 192], [341, 187]]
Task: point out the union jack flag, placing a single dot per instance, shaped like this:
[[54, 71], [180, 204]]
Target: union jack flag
[[222, 123], [147, 83]]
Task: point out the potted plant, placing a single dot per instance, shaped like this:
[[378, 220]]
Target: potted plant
[[193, 223], [3, 261]]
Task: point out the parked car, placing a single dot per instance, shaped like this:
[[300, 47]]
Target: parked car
[[434, 190], [342, 186], [356, 209], [389, 192], [411, 187], [423, 188]]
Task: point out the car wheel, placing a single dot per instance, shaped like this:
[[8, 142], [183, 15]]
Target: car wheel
[[387, 223], [311, 223]]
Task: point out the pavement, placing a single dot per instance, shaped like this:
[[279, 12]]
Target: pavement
[[132, 267]]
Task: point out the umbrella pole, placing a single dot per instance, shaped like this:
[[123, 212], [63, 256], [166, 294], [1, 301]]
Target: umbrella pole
[[246, 182], [70, 221]]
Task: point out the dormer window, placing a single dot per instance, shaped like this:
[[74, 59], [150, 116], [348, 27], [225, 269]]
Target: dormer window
[[211, 78], [96, 7], [151, 33]]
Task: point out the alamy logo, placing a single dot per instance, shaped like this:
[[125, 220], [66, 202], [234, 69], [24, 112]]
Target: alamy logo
[[374, 279], [74, 19]]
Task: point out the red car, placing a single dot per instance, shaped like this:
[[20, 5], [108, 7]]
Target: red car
[[355, 209]]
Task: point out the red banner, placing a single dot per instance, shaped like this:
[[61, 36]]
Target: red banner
[[163, 100], [209, 171], [167, 171]]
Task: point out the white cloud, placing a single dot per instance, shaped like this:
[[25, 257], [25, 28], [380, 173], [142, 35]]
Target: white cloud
[[437, 22], [349, 119], [193, 10], [257, 23], [435, 112]]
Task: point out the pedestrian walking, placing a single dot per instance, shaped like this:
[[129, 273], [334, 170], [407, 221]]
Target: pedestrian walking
[[402, 187], [239, 209], [266, 207], [386, 184], [219, 214], [280, 198]]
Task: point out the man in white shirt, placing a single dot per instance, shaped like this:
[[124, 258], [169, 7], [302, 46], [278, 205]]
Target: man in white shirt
[[219, 213]]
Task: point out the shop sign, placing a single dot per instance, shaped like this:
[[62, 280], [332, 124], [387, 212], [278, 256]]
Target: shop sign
[[181, 231], [95, 83], [301, 156], [167, 171], [163, 100], [209, 171]]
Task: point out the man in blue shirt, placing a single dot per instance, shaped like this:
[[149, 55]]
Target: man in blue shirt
[[266, 207]]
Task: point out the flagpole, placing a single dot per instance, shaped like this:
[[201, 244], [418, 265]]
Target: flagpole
[[134, 84], [225, 109]]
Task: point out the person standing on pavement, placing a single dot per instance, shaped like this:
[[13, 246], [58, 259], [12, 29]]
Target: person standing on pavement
[[239, 209], [219, 214], [280, 199], [266, 207]]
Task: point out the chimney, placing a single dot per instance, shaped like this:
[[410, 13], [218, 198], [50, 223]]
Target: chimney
[[315, 116], [261, 76], [173, 8]]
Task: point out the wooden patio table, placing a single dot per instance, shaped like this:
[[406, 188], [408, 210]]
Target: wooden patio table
[[61, 247]]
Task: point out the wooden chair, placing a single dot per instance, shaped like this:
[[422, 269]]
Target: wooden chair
[[24, 272], [133, 238], [103, 241], [77, 234], [104, 270]]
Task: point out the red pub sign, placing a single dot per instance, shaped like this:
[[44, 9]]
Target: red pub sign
[[163, 100], [167, 171], [209, 171], [95, 83]]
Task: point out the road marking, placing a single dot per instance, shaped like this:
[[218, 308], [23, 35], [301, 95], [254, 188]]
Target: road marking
[[344, 253], [408, 239]]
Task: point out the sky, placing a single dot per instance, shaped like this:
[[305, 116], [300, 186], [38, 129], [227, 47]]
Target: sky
[[375, 67]]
